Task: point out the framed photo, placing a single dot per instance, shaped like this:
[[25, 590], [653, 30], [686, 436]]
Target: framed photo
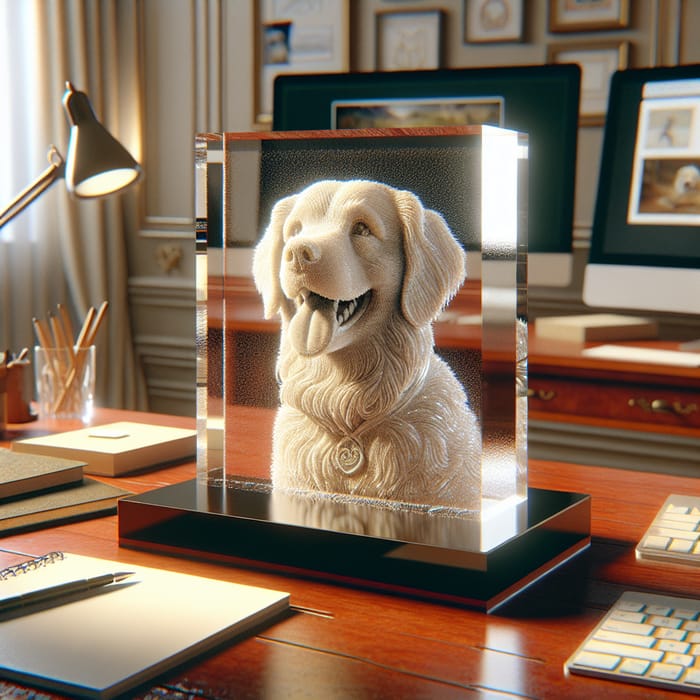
[[409, 40], [297, 36], [598, 63], [493, 20], [583, 15]]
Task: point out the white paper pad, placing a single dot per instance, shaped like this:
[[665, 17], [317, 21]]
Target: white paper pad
[[651, 355]]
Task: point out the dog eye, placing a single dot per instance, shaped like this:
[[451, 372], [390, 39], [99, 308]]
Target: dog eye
[[359, 228]]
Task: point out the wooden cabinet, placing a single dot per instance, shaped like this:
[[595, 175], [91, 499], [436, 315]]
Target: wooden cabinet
[[641, 396]]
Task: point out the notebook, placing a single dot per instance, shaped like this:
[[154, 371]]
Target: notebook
[[125, 634], [116, 448], [86, 498], [26, 473]]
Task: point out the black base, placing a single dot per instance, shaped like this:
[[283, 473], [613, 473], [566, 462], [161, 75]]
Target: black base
[[463, 560]]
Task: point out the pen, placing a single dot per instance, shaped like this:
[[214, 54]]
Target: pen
[[61, 590]]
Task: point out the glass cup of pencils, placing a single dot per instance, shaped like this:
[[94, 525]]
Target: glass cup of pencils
[[65, 382], [64, 365]]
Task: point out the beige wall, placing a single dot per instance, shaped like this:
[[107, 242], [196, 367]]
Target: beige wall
[[198, 75]]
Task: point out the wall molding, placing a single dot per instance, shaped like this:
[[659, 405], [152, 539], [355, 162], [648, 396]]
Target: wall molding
[[170, 292]]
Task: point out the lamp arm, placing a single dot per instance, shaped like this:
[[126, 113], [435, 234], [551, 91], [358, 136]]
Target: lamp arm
[[55, 170]]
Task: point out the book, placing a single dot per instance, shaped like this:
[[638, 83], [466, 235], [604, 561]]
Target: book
[[22, 473], [116, 448], [105, 642], [87, 497], [586, 328]]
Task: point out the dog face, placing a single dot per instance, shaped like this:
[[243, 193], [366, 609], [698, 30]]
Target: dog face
[[687, 179], [339, 258]]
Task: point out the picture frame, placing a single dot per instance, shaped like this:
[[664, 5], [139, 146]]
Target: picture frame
[[491, 21], [588, 15], [409, 40], [297, 37], [598, 62]]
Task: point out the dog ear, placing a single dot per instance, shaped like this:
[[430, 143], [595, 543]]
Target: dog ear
[[267, 260], [435, 263]]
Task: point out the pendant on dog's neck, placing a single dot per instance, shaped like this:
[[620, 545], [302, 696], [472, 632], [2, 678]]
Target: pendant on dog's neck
[[348, 456]]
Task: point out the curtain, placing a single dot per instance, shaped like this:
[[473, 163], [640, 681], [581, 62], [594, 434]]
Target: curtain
[[62, 250]]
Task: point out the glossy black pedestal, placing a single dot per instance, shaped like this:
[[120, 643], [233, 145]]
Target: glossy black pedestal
[[476, 562]]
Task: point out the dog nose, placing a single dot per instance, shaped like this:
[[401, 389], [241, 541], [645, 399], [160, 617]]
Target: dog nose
[[302, 253]]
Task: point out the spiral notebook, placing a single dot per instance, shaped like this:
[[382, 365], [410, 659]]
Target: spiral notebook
[[125, 634]]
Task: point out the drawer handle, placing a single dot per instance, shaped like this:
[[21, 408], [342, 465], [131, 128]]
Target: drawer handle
[[542, 394], [663, 406]]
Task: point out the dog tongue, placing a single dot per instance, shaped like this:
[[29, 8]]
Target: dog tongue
[[313, 325]]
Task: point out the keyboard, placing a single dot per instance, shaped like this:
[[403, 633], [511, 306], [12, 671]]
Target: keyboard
[[674, 534], [646, 639]]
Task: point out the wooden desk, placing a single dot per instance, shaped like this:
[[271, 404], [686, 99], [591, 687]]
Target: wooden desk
[[344, 642]]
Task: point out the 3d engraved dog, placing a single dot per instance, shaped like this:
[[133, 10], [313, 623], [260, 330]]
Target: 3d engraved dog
[[357, 271]]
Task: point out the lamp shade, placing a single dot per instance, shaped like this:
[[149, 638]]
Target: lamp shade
[[96, 163]]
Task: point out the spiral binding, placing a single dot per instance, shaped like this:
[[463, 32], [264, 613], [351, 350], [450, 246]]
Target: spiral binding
[[31, 565]]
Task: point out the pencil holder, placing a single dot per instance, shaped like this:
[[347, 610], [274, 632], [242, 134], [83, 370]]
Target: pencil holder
[[65, 382]]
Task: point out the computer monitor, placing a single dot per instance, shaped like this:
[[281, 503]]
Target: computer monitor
[[645, 244], [541, 101]]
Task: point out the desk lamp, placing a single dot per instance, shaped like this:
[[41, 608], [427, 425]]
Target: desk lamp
[[96, 164]]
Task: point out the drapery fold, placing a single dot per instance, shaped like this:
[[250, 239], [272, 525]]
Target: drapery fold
[[63, 250]]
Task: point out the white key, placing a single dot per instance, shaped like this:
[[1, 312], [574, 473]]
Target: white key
[[629, 627], [635, 667], [691, 626], [636, 640], [630, 605], [674, 533], [695, 650], [673, 646], [686, 614], [681, 546], [657, 542], [694, 638], [682, 521], [692, 676], [606, 662], [623, 650], [666, 672], [627, 616], [661, 610], [665, 633], [679, 659], [664, 621], [677, 509]]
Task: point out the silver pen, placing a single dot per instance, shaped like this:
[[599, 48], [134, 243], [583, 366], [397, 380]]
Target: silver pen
[[61, 590]]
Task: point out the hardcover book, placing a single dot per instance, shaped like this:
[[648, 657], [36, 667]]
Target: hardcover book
[[22, 473], [116, 448]]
